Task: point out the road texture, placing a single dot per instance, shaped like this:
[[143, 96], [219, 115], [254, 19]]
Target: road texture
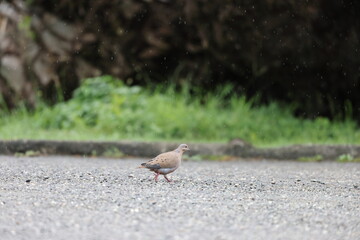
[[91, 198]]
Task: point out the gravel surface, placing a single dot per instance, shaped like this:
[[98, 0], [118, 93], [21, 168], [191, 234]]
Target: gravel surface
[[89, 198]]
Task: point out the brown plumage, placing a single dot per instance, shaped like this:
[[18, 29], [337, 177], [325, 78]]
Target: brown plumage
[[166, 163]]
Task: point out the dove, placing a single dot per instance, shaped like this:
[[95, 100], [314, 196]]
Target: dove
[[166, 163]]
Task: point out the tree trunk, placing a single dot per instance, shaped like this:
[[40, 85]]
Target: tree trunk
[[39, 53]]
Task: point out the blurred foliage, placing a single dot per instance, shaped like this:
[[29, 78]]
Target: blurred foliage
[[97, 99], [301, 52], [104, 108]]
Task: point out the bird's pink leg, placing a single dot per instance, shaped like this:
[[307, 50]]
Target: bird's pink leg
[[156, 177], [167, 178]]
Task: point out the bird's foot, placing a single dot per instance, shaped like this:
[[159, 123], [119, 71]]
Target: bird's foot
[[169, 180], [156, 177]]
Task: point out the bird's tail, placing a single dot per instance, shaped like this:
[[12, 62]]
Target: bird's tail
[[142, 165]]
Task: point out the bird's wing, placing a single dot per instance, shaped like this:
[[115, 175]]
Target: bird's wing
[[164, 160]]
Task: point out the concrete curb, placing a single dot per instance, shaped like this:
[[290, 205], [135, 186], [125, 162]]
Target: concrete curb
[[151, 149]]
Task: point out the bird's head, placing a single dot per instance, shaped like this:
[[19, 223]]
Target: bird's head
[[183, 148]]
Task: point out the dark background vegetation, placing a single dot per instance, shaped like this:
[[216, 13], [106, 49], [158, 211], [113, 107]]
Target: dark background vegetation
[[303, 53]]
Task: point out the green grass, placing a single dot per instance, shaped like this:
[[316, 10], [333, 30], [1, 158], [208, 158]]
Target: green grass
[[347, 158], [316, 158], [200, 157], [105, 109]]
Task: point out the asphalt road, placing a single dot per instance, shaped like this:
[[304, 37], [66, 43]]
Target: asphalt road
[[89, 198]]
